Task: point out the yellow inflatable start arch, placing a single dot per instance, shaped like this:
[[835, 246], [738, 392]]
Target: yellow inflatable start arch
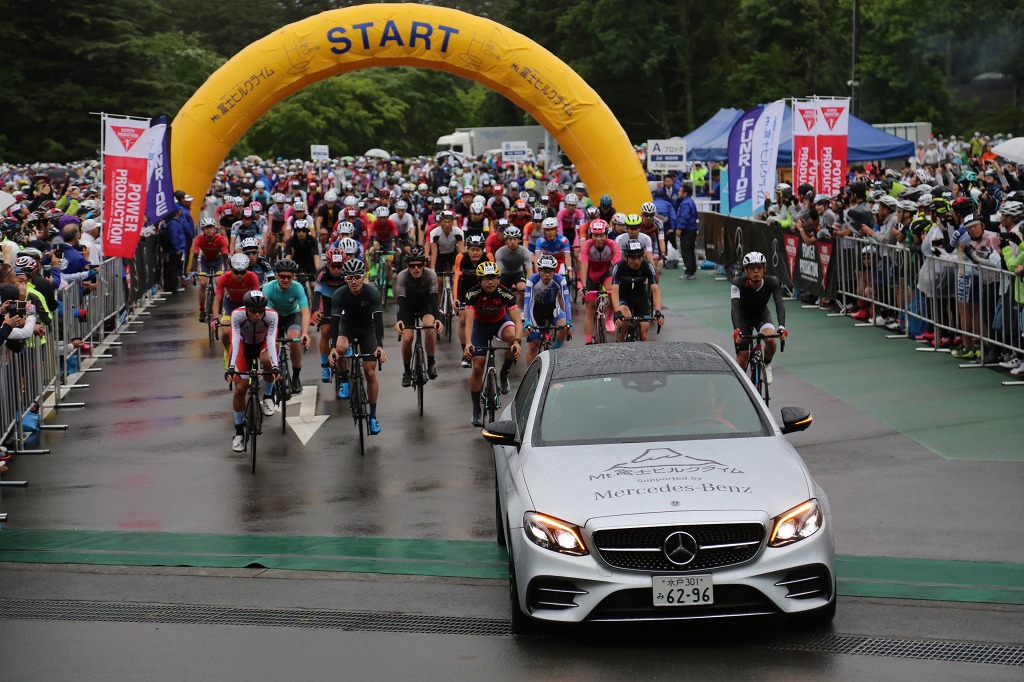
[[364, 36]]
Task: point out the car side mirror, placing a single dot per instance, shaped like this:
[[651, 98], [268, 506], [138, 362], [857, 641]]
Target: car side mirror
[[501, 432], [795, 419]]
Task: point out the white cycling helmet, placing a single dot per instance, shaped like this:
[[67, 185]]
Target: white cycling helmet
[[345, 227], [239, 262], [571, 199], [350, 200], [349, 246], [649, 207], [401, 206], [381, 212], [754, 258], [260, 184], [331, 195], [1012, 209], [550, 224], [250, 243]]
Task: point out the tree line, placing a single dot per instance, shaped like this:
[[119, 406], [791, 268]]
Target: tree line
[[662, 66]]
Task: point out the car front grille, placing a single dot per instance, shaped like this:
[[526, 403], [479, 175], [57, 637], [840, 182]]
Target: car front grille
[[551, 593], [807, 582], [642, 549], [636, 604]]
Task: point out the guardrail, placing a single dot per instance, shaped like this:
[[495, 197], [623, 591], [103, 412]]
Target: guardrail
[[38, 377]]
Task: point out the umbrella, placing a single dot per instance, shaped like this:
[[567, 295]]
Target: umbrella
[[1011, 150], [377, 153], [451, 157], [348, 159]]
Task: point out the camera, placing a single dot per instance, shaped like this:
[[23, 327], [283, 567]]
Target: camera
[[20, 308]]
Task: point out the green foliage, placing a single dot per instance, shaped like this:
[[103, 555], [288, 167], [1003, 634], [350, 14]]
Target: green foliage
[[662, 66]]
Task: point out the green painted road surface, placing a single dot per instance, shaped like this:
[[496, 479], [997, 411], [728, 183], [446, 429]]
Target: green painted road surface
[[958, 581], [959, 414]]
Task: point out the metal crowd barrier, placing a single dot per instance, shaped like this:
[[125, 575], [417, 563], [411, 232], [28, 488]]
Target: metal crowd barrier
[[942, 296], [36, 379]]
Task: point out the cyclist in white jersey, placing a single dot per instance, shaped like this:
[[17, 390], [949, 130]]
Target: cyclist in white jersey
[[253, 335]]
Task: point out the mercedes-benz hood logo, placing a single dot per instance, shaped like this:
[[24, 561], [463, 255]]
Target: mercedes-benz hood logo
[[680, 548]]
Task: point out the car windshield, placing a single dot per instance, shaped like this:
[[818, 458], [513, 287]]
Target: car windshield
[[648, 406]]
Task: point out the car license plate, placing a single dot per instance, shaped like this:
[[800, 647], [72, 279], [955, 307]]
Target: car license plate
[[683, 590]]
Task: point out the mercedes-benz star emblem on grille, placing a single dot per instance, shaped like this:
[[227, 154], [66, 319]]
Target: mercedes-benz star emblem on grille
[[680, 548]]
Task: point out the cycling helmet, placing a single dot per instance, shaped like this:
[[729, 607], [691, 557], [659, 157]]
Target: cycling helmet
[[401, 206], [963, 205], [1012, 209], [488, 269], [498, 189], [436, 202], [941, 206], [502, 224], [549, 224], [416, 255], [547, 262], [32, 253], [381, 212], [591, 212], [529, 184], [345, 227], [260, 184], [279, 198], [606, 201], [539, 213], [89, 205], [353, 266], [286, 265], [422, 186], [598, 227], [619, 219], [408, 187], [632, 220], [476, 207], [468, 190], [633, 250], [27, 263], [250, 244], [925, 202], [331, 196], [905, 205], [476, 240], [254, 300], [922, 175], [206, 222], [754, 258], [246, 213], [335, 257], [552, 186], [349, 246], [300, 225], [350, 201], [571, 199], [968, 176], [447, 215], [891, 174], [920, 225], [888, 201], [238, 201], [513, 232], [648, 208], [521, 205], [239, 262], [783, 187], [256, 207], [580, 187]]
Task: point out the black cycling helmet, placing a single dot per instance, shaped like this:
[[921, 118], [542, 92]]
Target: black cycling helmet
[[633, 249], [416, 255], [353, 266], [254, 300], [286, 265], [475, 240]]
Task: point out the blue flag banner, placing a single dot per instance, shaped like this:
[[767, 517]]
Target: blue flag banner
[[741, 156], [160, 199]]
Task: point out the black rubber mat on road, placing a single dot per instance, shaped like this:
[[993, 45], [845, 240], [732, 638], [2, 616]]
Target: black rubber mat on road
[[203, 614]]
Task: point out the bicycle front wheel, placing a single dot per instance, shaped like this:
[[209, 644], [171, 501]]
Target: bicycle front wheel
[[419, 375], [490, 395], [252, 413], [599, 325]]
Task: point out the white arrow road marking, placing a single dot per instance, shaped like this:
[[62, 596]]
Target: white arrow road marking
[[306, 424]]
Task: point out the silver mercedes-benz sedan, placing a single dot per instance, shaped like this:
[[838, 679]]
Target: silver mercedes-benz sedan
[[648, 482]]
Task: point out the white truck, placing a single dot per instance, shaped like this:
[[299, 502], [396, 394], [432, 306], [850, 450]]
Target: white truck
[[481, 141]]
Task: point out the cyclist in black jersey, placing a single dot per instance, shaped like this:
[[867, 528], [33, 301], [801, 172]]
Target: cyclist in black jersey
[[356, 313], [416, 291], [632, 278], [751, 292]]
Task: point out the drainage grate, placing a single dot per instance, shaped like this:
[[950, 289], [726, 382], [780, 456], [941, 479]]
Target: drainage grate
[[922, 649], [127, 612], [229, 615]]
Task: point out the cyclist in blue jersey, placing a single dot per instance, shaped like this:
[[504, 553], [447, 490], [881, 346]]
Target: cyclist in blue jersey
[[546, 302], [289, 300], [553, 244]]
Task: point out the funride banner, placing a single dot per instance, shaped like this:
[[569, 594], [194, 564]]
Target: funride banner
[[125, 179], [741, 158]]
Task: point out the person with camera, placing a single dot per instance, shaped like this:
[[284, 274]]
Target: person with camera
[[18, 317]]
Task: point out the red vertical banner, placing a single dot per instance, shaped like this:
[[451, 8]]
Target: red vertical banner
[[805, 152], [125, 178], [833, 127], [792, 247], [824, 258]]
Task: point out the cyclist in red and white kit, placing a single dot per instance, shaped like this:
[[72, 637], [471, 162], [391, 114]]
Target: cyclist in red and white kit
[[597, 257], [209, 254], [253, 332]]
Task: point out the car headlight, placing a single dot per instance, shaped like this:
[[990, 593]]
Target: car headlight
[[550, 533], [798, 523]]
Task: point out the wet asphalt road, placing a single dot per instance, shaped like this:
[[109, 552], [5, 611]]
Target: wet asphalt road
[[151, 451]]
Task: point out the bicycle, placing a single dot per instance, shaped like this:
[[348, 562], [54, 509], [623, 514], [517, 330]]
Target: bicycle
[[253, 424], [604, 304], [633, 327], [209, 319], [358, 402], [283, 388], [490, 395], [447, 303], [571, 281], [380, 278], [755, 363], [418, 365]]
